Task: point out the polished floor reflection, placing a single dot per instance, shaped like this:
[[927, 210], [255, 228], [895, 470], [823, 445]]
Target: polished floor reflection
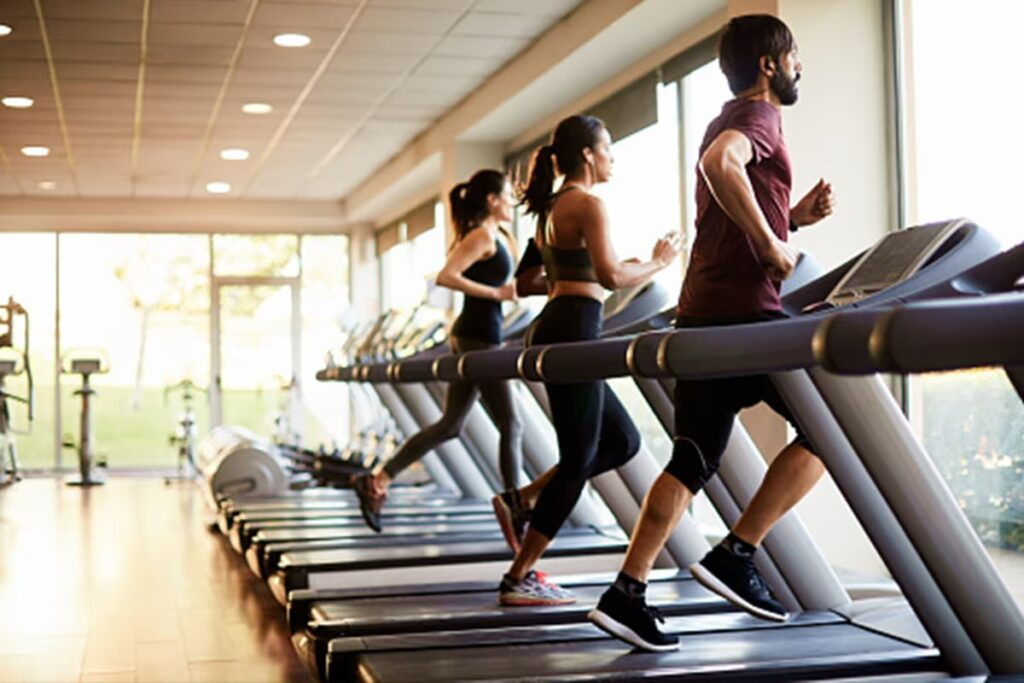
[[125, 583]]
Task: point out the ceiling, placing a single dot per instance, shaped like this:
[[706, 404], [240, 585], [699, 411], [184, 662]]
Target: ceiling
[[136, 98]]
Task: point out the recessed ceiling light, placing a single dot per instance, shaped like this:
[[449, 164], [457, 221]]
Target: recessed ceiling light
[[5, 30], [257, 108], [35, 151], [18, 102], [47, 185], [292, 40], [234, 154], [218, 187]]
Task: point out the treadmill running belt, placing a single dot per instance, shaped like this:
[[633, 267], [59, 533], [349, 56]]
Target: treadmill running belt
[[750, 651]]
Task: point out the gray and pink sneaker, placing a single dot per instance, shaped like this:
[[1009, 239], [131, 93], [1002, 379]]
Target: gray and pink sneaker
[[533, 589]]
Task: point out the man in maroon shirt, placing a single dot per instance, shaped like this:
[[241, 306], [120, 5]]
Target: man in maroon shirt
[[739, 259]]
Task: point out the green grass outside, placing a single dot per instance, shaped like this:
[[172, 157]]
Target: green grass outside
[[126, 437]]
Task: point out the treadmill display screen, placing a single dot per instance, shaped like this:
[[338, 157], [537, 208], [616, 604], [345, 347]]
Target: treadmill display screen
[[889, 263]]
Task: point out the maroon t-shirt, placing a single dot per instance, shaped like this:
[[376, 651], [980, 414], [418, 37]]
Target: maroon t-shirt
[[725, 278]]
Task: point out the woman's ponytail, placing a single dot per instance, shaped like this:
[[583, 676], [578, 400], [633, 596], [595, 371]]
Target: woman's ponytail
[[459, 210], [541, 183]]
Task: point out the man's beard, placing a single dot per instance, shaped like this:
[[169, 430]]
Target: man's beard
[[784, 87]]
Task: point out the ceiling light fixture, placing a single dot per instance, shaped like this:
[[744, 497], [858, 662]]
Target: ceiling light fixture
[[292, 40], [234, 154], [257, 108], [35, 151], [218, 187], [18, 102], [47, 185], [5, 30]]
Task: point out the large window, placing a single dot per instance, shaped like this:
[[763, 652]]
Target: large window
[[28, 276], [961, 162], [642, 197], [325, 302], [409, 266], [141, 304]]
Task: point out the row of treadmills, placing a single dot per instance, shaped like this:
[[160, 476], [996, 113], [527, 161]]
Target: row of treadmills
[[418, 602]]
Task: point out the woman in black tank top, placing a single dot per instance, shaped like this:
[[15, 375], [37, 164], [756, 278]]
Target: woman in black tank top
[[479, 266], [595, 433]]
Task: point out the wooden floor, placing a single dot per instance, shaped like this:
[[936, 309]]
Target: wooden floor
[[125, 583]]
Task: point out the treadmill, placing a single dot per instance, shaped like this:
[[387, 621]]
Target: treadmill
[[288, 528], [851, 642], [243, 518], [305, 568]]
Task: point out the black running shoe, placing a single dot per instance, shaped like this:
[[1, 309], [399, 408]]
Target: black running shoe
[[738, 581], [369, 504], [512, 517], [632, 620]]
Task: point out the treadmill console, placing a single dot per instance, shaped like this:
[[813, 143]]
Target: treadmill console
[[891, 260]]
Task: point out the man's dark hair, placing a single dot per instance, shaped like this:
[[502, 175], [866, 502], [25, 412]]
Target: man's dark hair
[[746, 39]]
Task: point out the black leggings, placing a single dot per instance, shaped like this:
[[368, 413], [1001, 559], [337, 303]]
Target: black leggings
[[705, 410], [595, 433], [497, 397]]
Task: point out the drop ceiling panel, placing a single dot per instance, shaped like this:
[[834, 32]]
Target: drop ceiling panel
[[21, 49], [44, 133], [209, 55], [264, 58], [173, 73], [280, 14], [67, 51], [537, 8], [193, 34], [15, 10], [113, 89], [425, 4], [24, 69], [418, 97], [97, 11], [501, 24], [391, 42], [455, 66], [432, 21], [92, 70], [130, 32], [107, 131], [7, 183], [491, 47], [161, 185], [109, 186], [182, 11], [373, 62]]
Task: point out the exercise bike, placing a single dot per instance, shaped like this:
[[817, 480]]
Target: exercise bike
[[86, 364], [13, 362], [186, 431]]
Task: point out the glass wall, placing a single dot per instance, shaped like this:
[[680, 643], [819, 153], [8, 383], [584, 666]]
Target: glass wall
[[325, 319], [28, 275], [409, 267], [972, 422], [141, 304]]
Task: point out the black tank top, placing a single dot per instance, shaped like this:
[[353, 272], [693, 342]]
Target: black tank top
[[564, 264], [481, 318]]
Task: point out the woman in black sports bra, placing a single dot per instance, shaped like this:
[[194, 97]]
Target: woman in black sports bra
[[479, 266], [573, 243]]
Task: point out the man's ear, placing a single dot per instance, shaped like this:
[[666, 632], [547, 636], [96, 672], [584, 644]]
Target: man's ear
[[768, 65]]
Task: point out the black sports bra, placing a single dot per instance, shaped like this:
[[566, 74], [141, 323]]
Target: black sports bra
[[564, 264]]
